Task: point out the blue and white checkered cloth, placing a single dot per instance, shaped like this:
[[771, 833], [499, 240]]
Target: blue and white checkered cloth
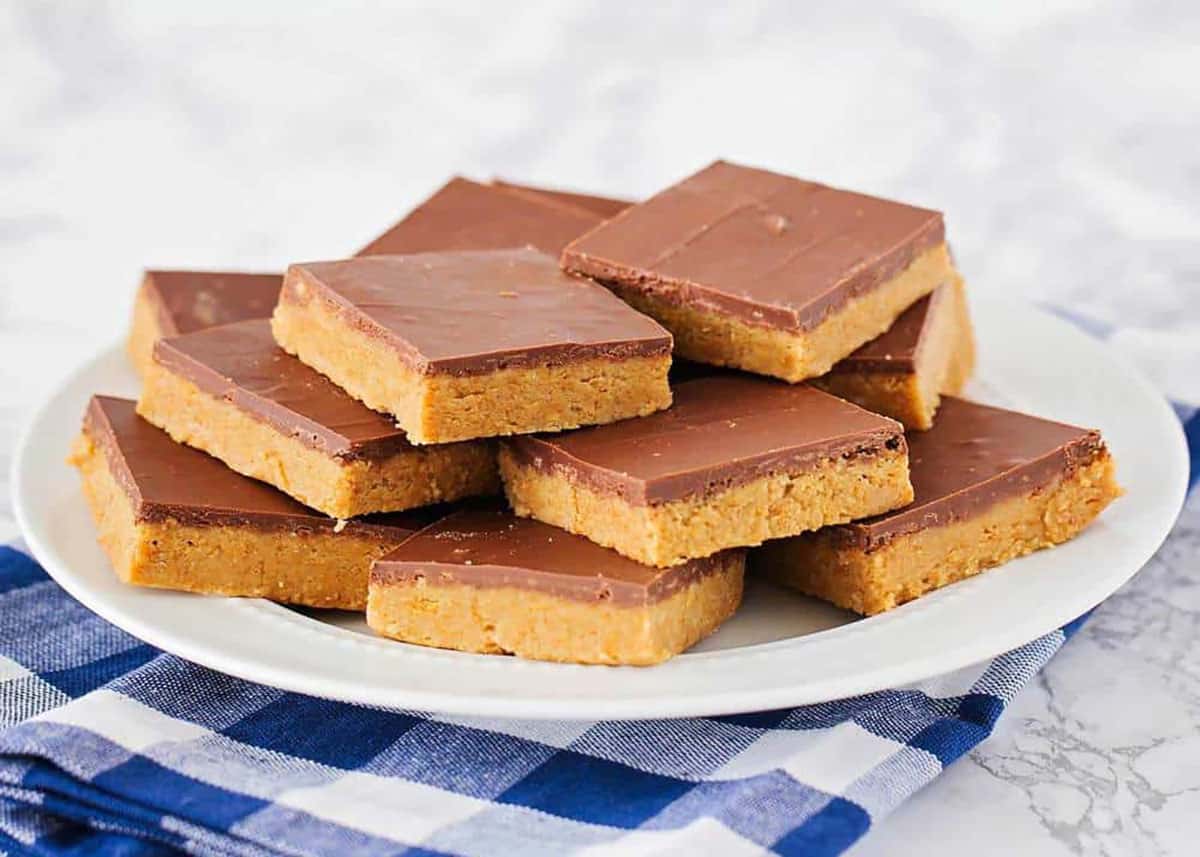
[[109, 746]]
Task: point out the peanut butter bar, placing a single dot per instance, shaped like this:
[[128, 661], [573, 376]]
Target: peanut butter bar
[[765, 272], [170, 303], [232, 392], [990, 485], [467, 215], [929, 351], [736, 460], [482, 580], [174, 518], [474, 344]]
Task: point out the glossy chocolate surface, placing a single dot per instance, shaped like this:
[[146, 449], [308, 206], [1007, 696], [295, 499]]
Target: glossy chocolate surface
[[193, 300], [604, 206], [487, 546], [467, 215], [241, 364], [974, 457], [474, 312], [765, 248], [721, 431], [165, 480]]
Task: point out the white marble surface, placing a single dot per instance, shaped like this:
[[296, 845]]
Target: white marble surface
[[1060, 138]]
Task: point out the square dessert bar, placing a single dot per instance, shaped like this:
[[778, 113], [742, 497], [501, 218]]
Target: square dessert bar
[[990, 485], [474, 344], [765, 272], [482, 580], [232, 392], [467, 215], [930, 350], [735, 461], [169, 303], [174, 518]]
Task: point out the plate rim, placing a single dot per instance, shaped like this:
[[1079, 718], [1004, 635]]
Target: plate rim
[[527, 706]]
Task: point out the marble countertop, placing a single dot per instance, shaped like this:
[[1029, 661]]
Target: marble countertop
[[1059, 138]]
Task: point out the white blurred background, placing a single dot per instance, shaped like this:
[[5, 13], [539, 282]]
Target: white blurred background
[[1061, 138]]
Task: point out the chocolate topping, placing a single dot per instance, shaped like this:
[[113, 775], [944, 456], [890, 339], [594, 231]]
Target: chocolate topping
[[475, 312], [194, 300], [466, 215], [604, 206], [721, 431], [486, 546], [241, 364], [974, 457], [168, 480], [765, 248]]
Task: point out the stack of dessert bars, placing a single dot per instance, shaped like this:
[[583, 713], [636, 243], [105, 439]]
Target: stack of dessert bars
[[565, 427]]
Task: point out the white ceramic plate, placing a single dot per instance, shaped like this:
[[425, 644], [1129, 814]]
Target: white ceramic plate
[[780, 650]]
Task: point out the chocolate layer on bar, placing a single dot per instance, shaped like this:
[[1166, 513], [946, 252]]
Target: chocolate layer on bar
[[486, 546], [974, 457], [768, 249], [604, 206], [897, 349], [241, 364], [194, 300], [470, 313], [166, 480], [466, 215], [720, 432]]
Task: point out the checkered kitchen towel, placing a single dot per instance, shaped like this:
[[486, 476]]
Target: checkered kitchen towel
[[108, 746]]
